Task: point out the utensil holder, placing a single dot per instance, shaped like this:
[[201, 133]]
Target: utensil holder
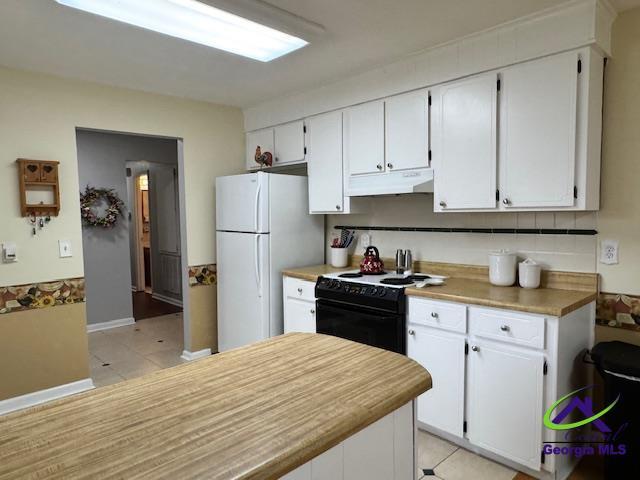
[[339, 257]]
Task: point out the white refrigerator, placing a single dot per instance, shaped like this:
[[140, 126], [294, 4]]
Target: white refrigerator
[[263, 226]]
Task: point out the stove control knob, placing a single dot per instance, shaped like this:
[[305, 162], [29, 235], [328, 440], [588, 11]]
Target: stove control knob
[[374, 291], [382, 292]]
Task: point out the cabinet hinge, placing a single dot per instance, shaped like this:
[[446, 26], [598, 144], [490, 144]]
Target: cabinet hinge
[[429, 154], [542, 456], [305, 150], [304, 129], [545, 368], [429, 100], [579, 66], [466, 348], [497, 195], [575, 192], [464, 426], [499, 84]]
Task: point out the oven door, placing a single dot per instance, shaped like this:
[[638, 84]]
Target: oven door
[[361, 324]]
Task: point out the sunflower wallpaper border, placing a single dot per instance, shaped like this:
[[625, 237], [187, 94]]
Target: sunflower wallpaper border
[[618, 311], [200, 275], [41, 295]]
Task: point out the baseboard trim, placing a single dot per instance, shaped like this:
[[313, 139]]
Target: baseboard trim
[[120, 322], [170, 300], [189, 356], [41, 396]]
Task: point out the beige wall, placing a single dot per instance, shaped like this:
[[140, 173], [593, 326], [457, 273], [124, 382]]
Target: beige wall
[[619, 217], [204, 317], [42, 349], [38, 118]]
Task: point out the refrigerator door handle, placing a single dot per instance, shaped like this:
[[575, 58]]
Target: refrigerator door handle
[[257, 265], [257, 205]]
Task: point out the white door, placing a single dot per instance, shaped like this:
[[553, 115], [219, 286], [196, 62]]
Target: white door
[[289, 143], [442, 353], [299, 316], [242, 203], [364, 138], [407, 131], [259, 138], [464, 147], [324, 163], [243, 288], [505, 401], [538, 132]]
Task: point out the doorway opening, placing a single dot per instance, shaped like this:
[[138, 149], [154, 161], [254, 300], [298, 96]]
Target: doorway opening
[[135, 271]]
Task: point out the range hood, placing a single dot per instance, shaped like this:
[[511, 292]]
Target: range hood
[[391, 183]]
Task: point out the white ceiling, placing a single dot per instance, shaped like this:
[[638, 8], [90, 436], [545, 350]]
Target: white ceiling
[[43, 36]]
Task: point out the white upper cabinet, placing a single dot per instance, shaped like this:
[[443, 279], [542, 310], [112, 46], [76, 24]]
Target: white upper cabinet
[[538, 132], [364, 138], [289, 143], [407, 131], [324, 163], [465, 123], [260, 138]]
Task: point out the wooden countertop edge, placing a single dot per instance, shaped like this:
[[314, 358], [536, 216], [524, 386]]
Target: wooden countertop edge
[[283, 464], [556, 312], [300, 276]]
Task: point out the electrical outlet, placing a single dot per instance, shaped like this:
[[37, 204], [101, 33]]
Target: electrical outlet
[[365, 240], [65, 248], [609, 252]]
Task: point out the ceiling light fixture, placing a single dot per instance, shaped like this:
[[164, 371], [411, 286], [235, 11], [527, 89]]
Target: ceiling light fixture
[[197, 22]]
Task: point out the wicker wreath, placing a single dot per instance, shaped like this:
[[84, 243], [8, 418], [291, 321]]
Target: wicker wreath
[[114, 207]]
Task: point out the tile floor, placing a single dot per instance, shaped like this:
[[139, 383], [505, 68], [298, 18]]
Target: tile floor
[[134, 350], [451, 462]]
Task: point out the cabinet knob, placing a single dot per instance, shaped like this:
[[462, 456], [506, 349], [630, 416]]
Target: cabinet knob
[[299, 289], [338, 207], [412, 332], [379, 166], [434, 315], [504, 328], [475, 348], [313, 312], [506, 201], [390, 165], [443, 204]]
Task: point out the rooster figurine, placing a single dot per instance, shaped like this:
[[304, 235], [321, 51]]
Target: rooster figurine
[[263, 159]]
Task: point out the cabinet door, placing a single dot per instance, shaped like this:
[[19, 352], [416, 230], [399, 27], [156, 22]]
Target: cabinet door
[[299, 316], [407, 131], [465, 143], [259, 138], [442, 353], [538, 132], [505, 401], [324, 163], [364, 138], [289, 143]]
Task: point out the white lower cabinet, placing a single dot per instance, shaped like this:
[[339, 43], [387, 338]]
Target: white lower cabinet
[[385, 450], [494, 372], [442, 353], [299, 306]]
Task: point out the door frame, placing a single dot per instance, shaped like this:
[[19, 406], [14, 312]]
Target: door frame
[[139, 230]]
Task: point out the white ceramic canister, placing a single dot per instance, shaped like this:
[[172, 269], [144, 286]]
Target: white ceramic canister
[[529, 274], [339, 257], [502, 268]]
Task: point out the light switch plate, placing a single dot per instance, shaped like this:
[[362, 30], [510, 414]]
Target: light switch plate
[[609, 252], [65, 248], [9, 252], [365, 240]]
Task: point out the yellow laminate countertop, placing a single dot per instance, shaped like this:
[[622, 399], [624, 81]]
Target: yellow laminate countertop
[[255, 412], [546, 301]]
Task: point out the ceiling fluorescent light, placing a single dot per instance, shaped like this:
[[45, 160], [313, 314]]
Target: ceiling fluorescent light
[[197, 22]]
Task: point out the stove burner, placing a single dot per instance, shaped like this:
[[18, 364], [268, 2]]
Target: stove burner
[[418, 277], [374, 273], [351, 275], [397, 281]]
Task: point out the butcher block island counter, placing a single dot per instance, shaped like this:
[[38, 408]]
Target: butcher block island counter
[[265, 411]]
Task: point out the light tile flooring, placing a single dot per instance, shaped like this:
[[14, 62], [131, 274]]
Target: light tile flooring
[[451, 462], [134, 350]]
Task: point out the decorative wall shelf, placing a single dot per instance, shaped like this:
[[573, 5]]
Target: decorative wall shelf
[[38, 176]]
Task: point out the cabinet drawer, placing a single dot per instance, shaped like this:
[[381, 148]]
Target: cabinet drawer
[[511, 327], [447, 316], [301, 289]]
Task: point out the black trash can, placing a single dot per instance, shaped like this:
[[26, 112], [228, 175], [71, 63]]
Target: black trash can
[[618, 363]]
